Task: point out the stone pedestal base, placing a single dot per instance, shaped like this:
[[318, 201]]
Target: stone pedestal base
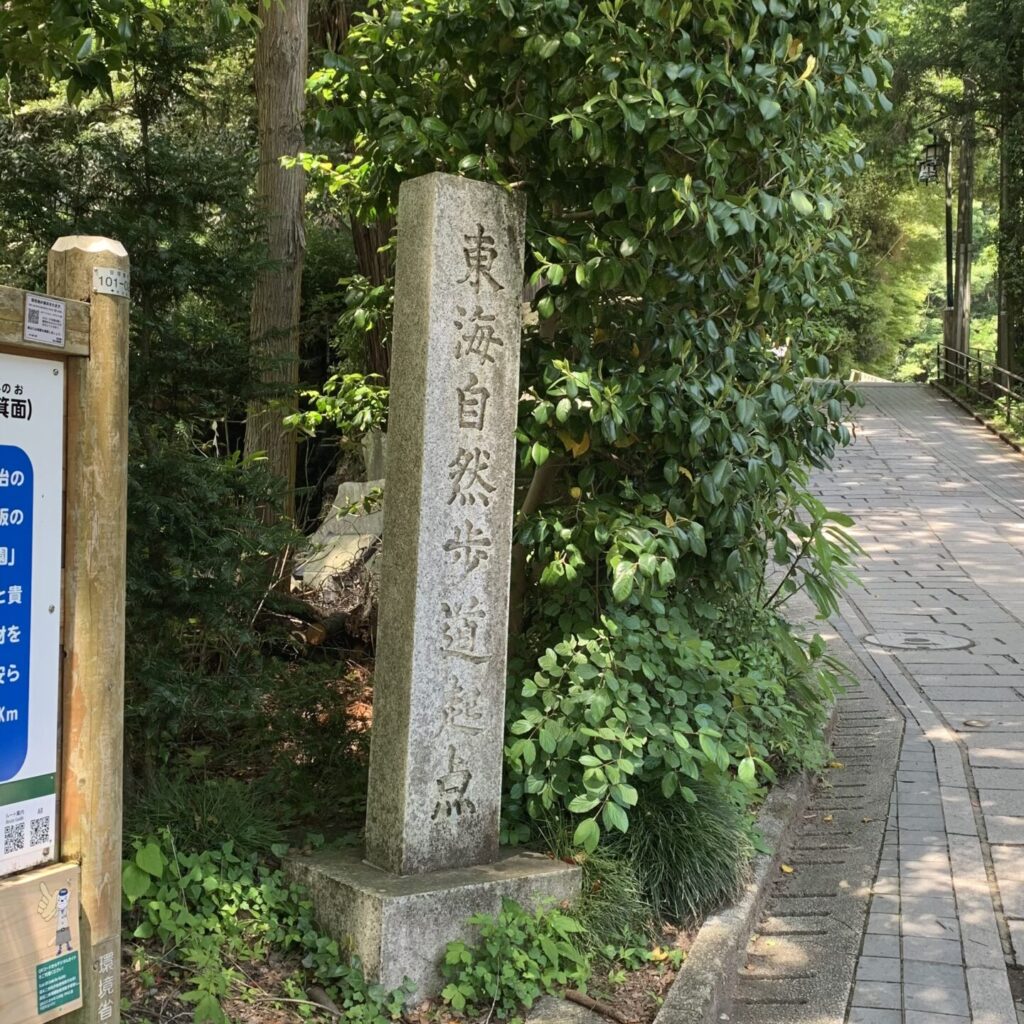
[[399, 925]]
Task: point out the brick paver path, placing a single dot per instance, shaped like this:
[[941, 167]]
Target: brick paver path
[[939, 624], [902, 895]]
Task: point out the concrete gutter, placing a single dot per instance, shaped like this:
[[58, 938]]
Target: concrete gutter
[[703, 988]]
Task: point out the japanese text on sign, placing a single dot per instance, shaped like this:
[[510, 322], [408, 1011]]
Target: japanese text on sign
[[478, 352], [15, 602], [31, 471], [44, 320]]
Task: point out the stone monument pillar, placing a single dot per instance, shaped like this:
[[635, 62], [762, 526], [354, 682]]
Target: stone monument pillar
[[432, 856], [439, 696]]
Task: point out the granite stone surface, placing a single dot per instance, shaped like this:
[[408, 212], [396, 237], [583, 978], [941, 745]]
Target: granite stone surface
[[399, 926], [436, 751]]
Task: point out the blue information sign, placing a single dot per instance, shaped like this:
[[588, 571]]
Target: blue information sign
[[16, 603], [31, 531]]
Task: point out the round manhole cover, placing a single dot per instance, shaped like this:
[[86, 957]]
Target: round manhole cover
[[918, 640]]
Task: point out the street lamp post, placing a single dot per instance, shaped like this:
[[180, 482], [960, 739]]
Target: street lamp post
[[939, 154]]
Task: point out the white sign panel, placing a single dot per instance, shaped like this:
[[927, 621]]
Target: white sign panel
[[110, 281], [44, 319], [31, 519]]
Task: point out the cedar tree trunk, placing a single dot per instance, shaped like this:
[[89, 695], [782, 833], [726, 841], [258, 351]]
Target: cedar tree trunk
[[280, 75]]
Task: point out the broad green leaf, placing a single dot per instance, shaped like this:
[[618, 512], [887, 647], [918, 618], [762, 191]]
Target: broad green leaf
[[801, 203], [151, 859], [587, 834], [625, 576], [135, 882], [615, 817]]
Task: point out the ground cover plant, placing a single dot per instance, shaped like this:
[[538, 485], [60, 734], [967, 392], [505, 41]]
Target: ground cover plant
[[205, 921], [519, 956]]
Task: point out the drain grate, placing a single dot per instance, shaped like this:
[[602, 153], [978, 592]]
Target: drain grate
[[918, 640]]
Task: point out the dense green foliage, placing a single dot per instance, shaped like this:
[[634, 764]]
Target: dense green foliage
[[86, 43], [519, 957], [683, 167], [936, 47], [218, 909], [165, 164]]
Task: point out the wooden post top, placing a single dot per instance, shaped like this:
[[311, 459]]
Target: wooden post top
[[72, 260], [89, 243]]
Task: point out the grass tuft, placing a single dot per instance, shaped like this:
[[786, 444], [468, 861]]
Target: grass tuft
[[690, 858], [201, 814]]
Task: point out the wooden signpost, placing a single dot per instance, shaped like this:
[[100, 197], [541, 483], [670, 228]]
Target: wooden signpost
[[63, 484]]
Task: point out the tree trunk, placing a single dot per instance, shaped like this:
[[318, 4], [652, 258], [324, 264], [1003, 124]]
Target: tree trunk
[[965, 223], [377, 267], [1011, 199], [330, 29], [280, 76], [1004, 352], [1013, 240]]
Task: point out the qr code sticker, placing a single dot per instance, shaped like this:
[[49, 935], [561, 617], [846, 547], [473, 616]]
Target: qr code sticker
[[39, 831], [33, 317], [14, 837]]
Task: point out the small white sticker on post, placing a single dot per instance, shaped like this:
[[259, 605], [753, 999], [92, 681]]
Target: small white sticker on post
[[44, 320], [110, 281]]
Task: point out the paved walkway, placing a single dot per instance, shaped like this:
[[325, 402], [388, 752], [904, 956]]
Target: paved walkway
[[936, 637]]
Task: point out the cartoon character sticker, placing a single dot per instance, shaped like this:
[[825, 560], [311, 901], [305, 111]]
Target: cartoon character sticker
[[56, 904]]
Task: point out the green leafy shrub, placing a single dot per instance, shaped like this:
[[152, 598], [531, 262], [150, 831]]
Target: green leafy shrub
[[352, 403], [198, 551], [643, 700], [691, 856], [684, 167], [217, 909], [520, 956]]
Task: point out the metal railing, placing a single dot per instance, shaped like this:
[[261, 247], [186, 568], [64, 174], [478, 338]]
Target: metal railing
[[989, 385]]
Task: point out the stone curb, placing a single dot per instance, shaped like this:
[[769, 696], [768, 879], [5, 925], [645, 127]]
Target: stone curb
[[703, 988]]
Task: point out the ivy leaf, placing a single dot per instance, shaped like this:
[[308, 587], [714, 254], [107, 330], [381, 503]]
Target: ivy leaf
[[769, 108]]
